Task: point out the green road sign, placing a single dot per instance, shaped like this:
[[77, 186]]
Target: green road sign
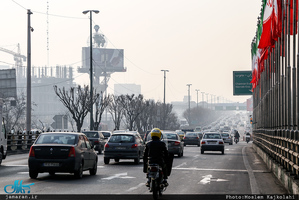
[[242, 85]]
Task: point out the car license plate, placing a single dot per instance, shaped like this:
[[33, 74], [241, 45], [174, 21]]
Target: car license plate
[[51, 164], [120, 147], [212, 142]]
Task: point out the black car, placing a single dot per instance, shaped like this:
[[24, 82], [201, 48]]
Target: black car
[[97, 139], [62, 152], [124, 145], [192, 138]]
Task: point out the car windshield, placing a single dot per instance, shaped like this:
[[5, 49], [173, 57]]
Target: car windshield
[[191, 134], [225, 135], [171, 136], [121, 139], [212, 136], [56, 139], [91, 134]]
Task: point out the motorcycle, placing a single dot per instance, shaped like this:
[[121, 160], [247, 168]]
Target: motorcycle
[[236, 140], [155, 175], [247, 138]]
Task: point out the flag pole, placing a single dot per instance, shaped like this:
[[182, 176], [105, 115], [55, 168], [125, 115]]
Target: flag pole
[[288, 69], [294, 67]]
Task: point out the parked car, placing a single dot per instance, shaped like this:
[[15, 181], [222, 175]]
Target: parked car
[[192, 138], [106, 134], [97, 139], [124, 145], [227, 138], [175, 144], [62, 152], [212, 141]]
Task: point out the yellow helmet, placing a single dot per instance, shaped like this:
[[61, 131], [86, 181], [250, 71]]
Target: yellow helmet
[[156, 132]]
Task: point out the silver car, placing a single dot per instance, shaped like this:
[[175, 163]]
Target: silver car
[[227, 138], [212, 141]]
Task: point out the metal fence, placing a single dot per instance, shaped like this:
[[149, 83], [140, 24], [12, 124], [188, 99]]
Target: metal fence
[[17, 142], [276, 92]]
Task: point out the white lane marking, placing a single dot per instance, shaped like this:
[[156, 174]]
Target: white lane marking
[[223, 170], [136, 187], [252, 180], [184, 163], [121, 175], [209, 178]]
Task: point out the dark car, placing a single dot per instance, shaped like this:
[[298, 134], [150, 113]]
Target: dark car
[[175, 144], [124, 145], [192, 138], [62, 152], [97, 139]]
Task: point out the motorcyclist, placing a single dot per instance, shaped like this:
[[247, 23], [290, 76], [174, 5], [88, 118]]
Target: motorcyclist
[[156, 152], [247, 135], [237, 135]]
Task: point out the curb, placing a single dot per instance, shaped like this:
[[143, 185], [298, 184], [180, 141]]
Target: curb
[[288, 181]]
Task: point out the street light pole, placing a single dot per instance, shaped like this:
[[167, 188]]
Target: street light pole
[[202, 93], [91, 70], [163, 118], [189, 102], [28, 109], [197, 97], [163, 70]]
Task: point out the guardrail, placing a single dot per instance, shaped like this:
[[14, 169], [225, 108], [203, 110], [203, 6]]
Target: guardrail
[[19, 142]]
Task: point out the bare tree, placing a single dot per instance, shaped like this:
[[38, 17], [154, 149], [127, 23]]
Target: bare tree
[[77, 101], [14, 115], [116, 110], [101, 105], [132, 107]]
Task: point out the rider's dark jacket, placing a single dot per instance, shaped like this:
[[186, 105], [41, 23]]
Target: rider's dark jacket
[[155, 151]]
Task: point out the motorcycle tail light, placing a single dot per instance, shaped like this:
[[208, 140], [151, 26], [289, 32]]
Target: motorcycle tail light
[[153, 169]]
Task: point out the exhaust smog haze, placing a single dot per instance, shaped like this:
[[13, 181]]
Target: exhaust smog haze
[[199, 42]]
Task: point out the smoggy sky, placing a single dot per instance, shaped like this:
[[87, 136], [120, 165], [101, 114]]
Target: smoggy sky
[[200, 42]]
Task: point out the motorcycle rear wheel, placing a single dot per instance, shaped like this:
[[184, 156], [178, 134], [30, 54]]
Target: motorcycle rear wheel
[[155, 187]]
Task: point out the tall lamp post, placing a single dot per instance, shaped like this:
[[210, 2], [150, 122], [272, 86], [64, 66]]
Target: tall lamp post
[[202, 93], [197, 97], [91, 70], [164, 70], [189, 102]]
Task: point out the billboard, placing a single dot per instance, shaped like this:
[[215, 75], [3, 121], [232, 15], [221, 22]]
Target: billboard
[[241, 83], [8, 85], [109, 60]]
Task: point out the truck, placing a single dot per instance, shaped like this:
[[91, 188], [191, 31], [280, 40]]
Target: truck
[[3, 135]]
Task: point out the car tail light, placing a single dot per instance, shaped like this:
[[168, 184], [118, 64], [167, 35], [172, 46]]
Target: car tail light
[[72, 152], [96, 142], [203, 142], [106, 145], [31, 152], [134, 146], [220, 142], [176, 143], [197, 138], [184, 137]]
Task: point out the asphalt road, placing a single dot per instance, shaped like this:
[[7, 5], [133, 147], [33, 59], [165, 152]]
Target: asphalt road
[[239, 171]]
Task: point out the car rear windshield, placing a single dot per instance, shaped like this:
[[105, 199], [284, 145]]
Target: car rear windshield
[[171, 136], [212, 136], [56, 139], [91, 134], [191, 134], [225, 135], [106, 134], [121, 139]]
